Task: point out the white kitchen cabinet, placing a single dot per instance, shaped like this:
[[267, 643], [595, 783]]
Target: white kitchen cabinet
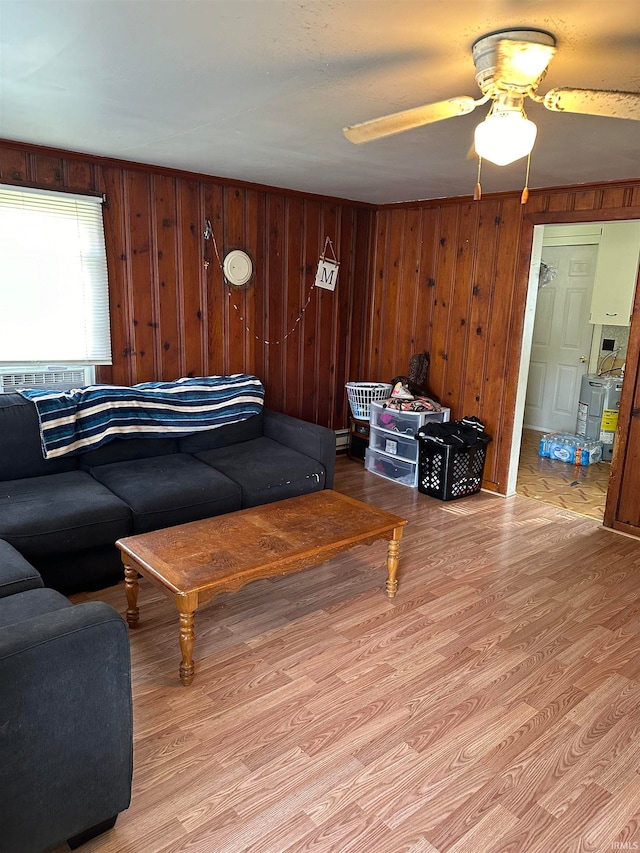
[[616, 274]]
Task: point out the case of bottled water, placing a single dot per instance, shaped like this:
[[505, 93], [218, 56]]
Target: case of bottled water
[[565, 447]]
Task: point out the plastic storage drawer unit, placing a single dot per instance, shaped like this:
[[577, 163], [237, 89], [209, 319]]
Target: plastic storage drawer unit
[[397, 470], [394, 444], [403, 423]]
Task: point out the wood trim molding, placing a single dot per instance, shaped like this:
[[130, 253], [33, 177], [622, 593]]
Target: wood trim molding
[[535, 192], [602, 215], [627, 529], [113, 162]]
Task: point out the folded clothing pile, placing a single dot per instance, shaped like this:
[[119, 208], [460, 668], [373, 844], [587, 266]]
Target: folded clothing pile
[[467, 432], [403, 400]]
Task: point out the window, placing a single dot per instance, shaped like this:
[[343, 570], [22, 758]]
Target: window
[[54, 300]]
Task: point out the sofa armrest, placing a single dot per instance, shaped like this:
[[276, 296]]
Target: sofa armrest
[[16, 574], [313, 440], [65, 724]]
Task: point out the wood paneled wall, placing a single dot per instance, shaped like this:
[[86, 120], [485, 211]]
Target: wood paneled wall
[[171, 316], [451, 277], [447, 276]]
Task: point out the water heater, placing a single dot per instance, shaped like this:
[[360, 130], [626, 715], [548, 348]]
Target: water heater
[[598, 410]]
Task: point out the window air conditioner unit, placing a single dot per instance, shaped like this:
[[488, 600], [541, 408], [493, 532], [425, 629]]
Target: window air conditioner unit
[[50, 377]]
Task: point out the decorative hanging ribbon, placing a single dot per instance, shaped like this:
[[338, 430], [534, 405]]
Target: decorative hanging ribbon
[[285, 336], [209, 235]]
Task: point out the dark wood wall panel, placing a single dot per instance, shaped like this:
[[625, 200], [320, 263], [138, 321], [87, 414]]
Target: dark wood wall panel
[[120, 296], [480, 313], [326, 333], [358, 322], [387, 320], [165, 251], [308, 323], [426, 280], [457, 352], [13, 166], [47, 170], [464, 301], [217, 308], [228, 313], [172, 316], [443, 290], [497, 395], [412, 257], [293, 345], [274, 321], [193, 279], [141, 269]]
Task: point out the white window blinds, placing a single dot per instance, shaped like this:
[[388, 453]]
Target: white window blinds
[[54, 299]]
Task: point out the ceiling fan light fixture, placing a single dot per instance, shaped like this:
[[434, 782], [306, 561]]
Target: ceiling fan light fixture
[[504, 136], [510, 64]]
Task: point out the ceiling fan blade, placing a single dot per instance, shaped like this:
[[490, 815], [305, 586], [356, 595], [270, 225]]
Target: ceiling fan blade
[[522, 64], [594, 102], [408, 119]]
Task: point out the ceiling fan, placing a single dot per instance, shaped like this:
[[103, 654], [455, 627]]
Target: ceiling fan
[[510, 65]]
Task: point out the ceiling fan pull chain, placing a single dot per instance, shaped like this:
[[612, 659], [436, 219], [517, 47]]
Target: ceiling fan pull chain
[[524, 198], [477, 193]]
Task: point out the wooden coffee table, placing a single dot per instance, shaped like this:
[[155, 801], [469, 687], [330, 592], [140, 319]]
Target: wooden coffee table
[[194, 562]]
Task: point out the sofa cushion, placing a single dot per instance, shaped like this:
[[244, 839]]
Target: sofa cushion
[[60, 512], [16, 574], [126, 449], [266, 470], [223, 436], [32, 602], [21, 446], [169, 490]]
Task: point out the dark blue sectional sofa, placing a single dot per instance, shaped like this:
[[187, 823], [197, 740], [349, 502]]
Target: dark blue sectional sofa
[[66, 729], [64, 515]]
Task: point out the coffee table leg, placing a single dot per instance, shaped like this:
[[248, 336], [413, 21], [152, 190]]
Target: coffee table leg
[[392, 562], [131, 590], [187, 639]]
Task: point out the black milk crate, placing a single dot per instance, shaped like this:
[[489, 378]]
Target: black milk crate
[[447, 472]]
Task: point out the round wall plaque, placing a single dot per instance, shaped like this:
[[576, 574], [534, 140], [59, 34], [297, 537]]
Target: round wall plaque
[[237, 268]]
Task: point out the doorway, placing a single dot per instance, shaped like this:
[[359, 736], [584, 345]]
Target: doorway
[[562, 345]]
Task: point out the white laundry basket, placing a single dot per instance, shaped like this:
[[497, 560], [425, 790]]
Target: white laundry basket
[[361, 394]]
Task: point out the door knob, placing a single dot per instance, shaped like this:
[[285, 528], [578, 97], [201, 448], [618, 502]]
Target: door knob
[[583, 358]]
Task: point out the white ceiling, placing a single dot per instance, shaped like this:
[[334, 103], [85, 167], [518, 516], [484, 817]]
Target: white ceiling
[[259, 90]]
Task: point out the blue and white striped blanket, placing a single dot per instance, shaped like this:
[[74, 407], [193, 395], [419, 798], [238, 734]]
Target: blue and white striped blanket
[[83, 419]]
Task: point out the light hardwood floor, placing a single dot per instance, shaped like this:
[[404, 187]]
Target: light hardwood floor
[[582, 490], [493, 706]]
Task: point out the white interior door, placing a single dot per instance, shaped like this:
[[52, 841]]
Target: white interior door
[[562, 338]]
